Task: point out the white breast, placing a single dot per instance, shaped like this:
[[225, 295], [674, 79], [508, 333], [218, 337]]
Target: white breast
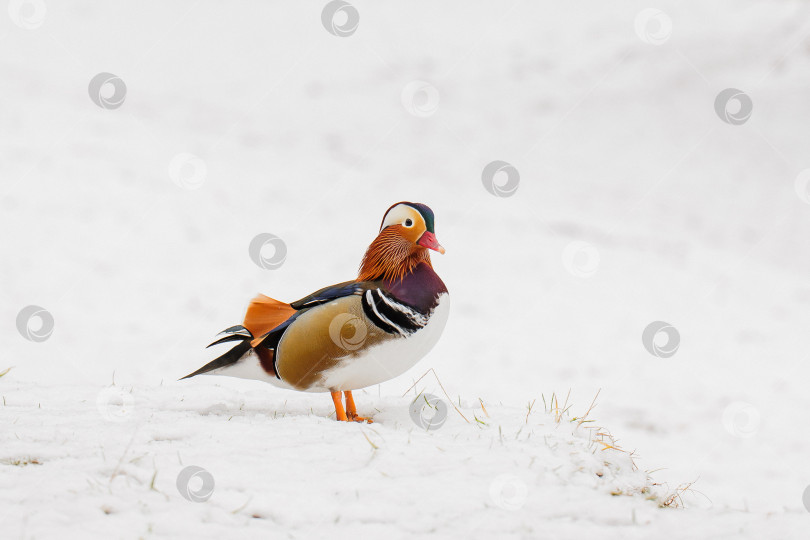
[[389, 359]]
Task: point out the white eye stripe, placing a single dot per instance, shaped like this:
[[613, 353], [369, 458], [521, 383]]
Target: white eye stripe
[[399, 214]]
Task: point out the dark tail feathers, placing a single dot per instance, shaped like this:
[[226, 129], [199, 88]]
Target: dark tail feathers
[[234, 333]]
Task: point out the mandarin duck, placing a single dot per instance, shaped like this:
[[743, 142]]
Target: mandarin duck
[[354, 334]]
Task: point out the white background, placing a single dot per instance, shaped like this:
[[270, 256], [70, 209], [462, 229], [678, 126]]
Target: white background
[[303, 134]]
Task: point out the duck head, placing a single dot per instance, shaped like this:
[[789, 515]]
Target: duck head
[[406, 234]]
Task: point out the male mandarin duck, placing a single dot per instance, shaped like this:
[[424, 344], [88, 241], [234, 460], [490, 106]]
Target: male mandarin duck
[[354, 334]]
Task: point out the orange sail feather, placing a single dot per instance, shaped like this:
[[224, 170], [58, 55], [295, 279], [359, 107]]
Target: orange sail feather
[[264, 314]]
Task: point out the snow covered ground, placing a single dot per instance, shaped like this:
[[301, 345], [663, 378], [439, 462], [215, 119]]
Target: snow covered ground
[[126, 214]]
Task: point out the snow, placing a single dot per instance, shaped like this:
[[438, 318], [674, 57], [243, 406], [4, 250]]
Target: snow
[[131, 225]]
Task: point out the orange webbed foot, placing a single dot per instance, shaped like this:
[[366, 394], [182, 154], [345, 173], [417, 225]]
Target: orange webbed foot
[[356, 418], [351, 409]]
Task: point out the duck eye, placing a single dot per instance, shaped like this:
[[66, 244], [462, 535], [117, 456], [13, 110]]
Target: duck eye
[[408, 222]]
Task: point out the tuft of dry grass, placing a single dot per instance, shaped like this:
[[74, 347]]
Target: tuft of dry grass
[[20, 462], [600, 440], [443, 390], [675, 499]]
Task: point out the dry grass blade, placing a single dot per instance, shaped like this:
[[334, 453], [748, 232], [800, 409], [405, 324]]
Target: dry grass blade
[[374, 446], [593, 404], [675, 500], [124, 455], [482, 407], [530, 405], [443, 390]]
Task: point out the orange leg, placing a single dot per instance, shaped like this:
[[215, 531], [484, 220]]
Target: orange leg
[[351, 409], [339, 411]]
